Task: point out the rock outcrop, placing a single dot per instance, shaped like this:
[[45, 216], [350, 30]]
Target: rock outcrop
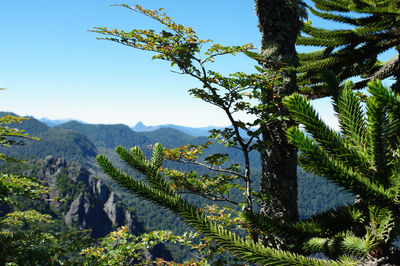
[[87, 202]]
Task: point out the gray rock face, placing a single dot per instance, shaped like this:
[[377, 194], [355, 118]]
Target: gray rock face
[[91, 205]]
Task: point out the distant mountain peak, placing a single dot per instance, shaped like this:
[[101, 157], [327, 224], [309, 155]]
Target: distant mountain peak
[[140, 126]]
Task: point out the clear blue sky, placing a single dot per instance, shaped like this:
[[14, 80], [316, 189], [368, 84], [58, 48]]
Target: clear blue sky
[[51, 66]]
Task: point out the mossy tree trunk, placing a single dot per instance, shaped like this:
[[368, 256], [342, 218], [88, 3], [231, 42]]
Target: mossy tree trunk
[[279, 23]]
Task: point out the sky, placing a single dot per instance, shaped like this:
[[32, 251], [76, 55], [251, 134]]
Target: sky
[[53, 67]]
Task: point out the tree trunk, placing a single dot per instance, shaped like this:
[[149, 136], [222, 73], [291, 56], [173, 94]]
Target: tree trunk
[[279, 22]]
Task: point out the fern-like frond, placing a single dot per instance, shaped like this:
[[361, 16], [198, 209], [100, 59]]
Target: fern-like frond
[[193, 216], [316, 55], [340, 36], [328, 139], [136, 160], [334, 17], [132, 184], [311, 41], [380, 226], [353, 245], [372, 136], [326, 5], [378, 141], [354, 49], [315, 160], [351, 117], [158, 156], [339, 245], [391, 101], [323, 224]]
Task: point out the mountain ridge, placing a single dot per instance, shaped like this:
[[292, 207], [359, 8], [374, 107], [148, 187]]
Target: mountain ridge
[[62, 143], [139, 127], [193, 131]]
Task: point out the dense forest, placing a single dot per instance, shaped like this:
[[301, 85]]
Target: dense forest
[[282, 189]]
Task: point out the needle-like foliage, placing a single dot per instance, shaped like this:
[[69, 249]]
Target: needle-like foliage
[[363, 159], [161, 194], [369, 28]]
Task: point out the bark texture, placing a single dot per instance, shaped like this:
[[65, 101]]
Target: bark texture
[[279, 23]]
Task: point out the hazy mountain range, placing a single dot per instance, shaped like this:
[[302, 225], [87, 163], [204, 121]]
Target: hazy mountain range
[[81, 142], [193, 131], [140, 127]]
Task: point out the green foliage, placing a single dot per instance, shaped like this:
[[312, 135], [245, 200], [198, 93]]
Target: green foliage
[[370, 29], [58, 142], [25, 238], [24, 242], [123, 248], [160, 193], [68, 190], [235, 93], [177, 43], [12, 185], [362, 159], [11, 136], [20, 239]]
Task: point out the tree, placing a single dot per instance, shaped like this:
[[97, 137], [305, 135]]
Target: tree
[[279, 23], [11, 136], [363, 158], [370, 29], [123, 248], [182, 47], [22, 238], [159, 191], [18, 227], [277, 54]]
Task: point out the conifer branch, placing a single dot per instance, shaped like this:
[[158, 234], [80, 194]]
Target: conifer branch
[[244, 249]]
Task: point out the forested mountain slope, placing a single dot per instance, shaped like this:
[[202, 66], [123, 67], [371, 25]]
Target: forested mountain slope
[[62, 143], [75, 141], [107, 136]]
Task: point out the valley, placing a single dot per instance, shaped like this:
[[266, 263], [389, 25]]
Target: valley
[[64, 158]]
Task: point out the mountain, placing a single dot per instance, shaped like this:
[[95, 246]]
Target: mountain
[[171, 138], [193, 131], [86, 201], [59, 142], [107, 136], [111, 136], [55, 122], [76, 141]]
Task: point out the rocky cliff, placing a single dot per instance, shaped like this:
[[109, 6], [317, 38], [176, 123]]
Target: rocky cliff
[[86, 202]]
